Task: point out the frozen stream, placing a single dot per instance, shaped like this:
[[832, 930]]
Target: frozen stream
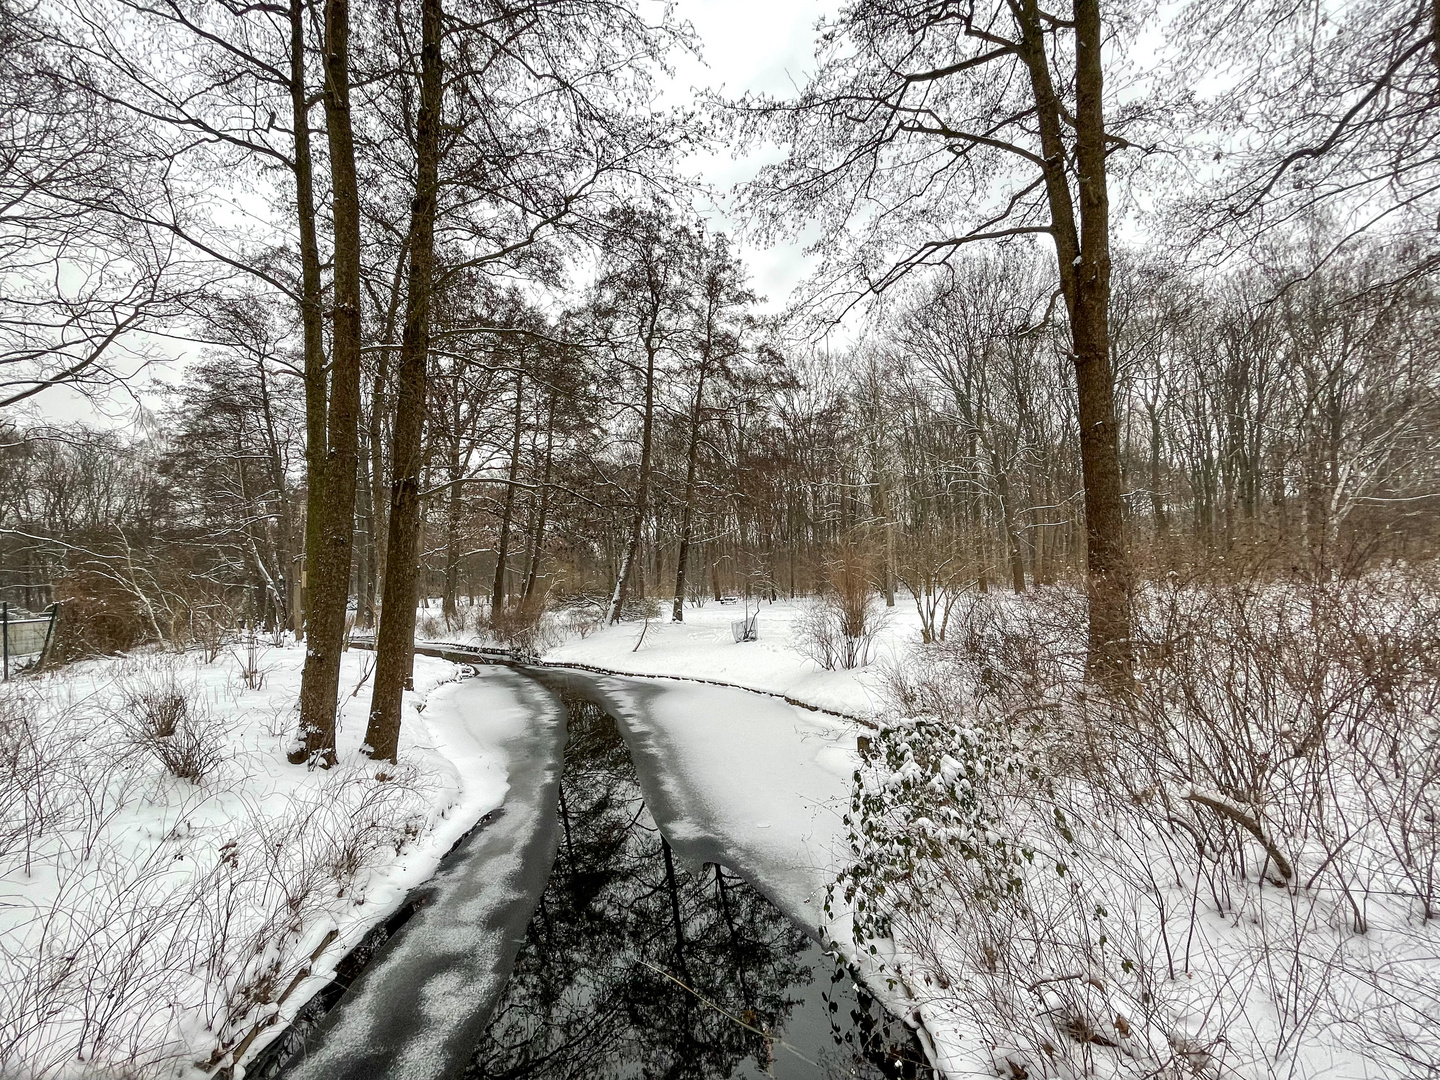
[[604, 922]]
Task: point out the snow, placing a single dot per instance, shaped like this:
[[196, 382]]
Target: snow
[[751, 782], [416, 1011], [703, 647], [748, 780], [148, 921]]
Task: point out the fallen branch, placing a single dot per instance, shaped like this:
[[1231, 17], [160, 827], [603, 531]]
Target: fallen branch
[[1249, 822]]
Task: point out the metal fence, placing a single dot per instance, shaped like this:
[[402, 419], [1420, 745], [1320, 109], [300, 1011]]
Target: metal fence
[[25, 637]]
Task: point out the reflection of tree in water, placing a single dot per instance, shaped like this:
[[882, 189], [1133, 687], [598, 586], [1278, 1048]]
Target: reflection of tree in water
[[582, 1000]]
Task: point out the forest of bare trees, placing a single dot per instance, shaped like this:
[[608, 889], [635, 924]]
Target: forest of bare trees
[[664, 427], [1108, 386]]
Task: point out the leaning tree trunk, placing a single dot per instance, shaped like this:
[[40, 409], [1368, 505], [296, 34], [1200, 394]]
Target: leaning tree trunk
[[332, 522], [395, 640]]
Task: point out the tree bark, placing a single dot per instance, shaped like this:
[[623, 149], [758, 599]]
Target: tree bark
[[332, 521], [1007, 523], [1083, 255], [1107, 564], [502, 546], [395, 640], [312, 315], [537, 537], [642, 493], [677, 611], [379, 490], [449, 596]]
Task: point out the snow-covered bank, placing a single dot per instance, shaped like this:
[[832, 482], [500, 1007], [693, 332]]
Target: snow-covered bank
[[704, 647], [754, 784], [151, 922], [419, 1009], [1228, 871]]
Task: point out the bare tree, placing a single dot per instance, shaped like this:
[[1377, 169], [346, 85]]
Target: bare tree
[[968, 124], [80, 277], [396, 638]]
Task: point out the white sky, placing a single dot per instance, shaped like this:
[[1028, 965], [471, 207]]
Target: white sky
[[762, 46]]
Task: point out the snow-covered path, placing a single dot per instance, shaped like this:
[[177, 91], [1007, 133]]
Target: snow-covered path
[[421, 1005]]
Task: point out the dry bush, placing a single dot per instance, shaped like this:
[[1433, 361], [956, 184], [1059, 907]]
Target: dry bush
[[133, 956], [211, 627], [430, 627], [840, 627], [581, 620], [466, 616], [166, 718], [248, 668], [526, 631], [98, 616], [639, 607], [1204, 874], [936, 572]]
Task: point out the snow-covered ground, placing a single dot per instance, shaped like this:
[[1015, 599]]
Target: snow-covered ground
[[1129, 954], [704, 647], [1216, 965], [151, 922]]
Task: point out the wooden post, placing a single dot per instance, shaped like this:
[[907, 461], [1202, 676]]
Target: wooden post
[[49, 632]]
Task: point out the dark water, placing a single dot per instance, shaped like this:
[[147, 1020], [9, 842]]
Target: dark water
[[635, 965]]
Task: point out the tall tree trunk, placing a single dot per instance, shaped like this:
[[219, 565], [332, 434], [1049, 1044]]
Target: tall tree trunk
[[332, 521], [449, 597], [1083, 255], [537, 537], [312, 314], [365, 511], [677, 611], [642, 493], [1012, 533], [502, 547], [284, 534], [1157, 497], [395, 640], [379, 490], [1107, 564]]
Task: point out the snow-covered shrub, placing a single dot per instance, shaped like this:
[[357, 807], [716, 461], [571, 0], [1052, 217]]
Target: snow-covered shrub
[[146, 925], [1228, 869], [580, 621]]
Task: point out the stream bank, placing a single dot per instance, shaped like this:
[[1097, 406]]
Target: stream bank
[[574, 936]]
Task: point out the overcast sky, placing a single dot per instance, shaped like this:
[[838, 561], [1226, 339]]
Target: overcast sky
[[765, 46]]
